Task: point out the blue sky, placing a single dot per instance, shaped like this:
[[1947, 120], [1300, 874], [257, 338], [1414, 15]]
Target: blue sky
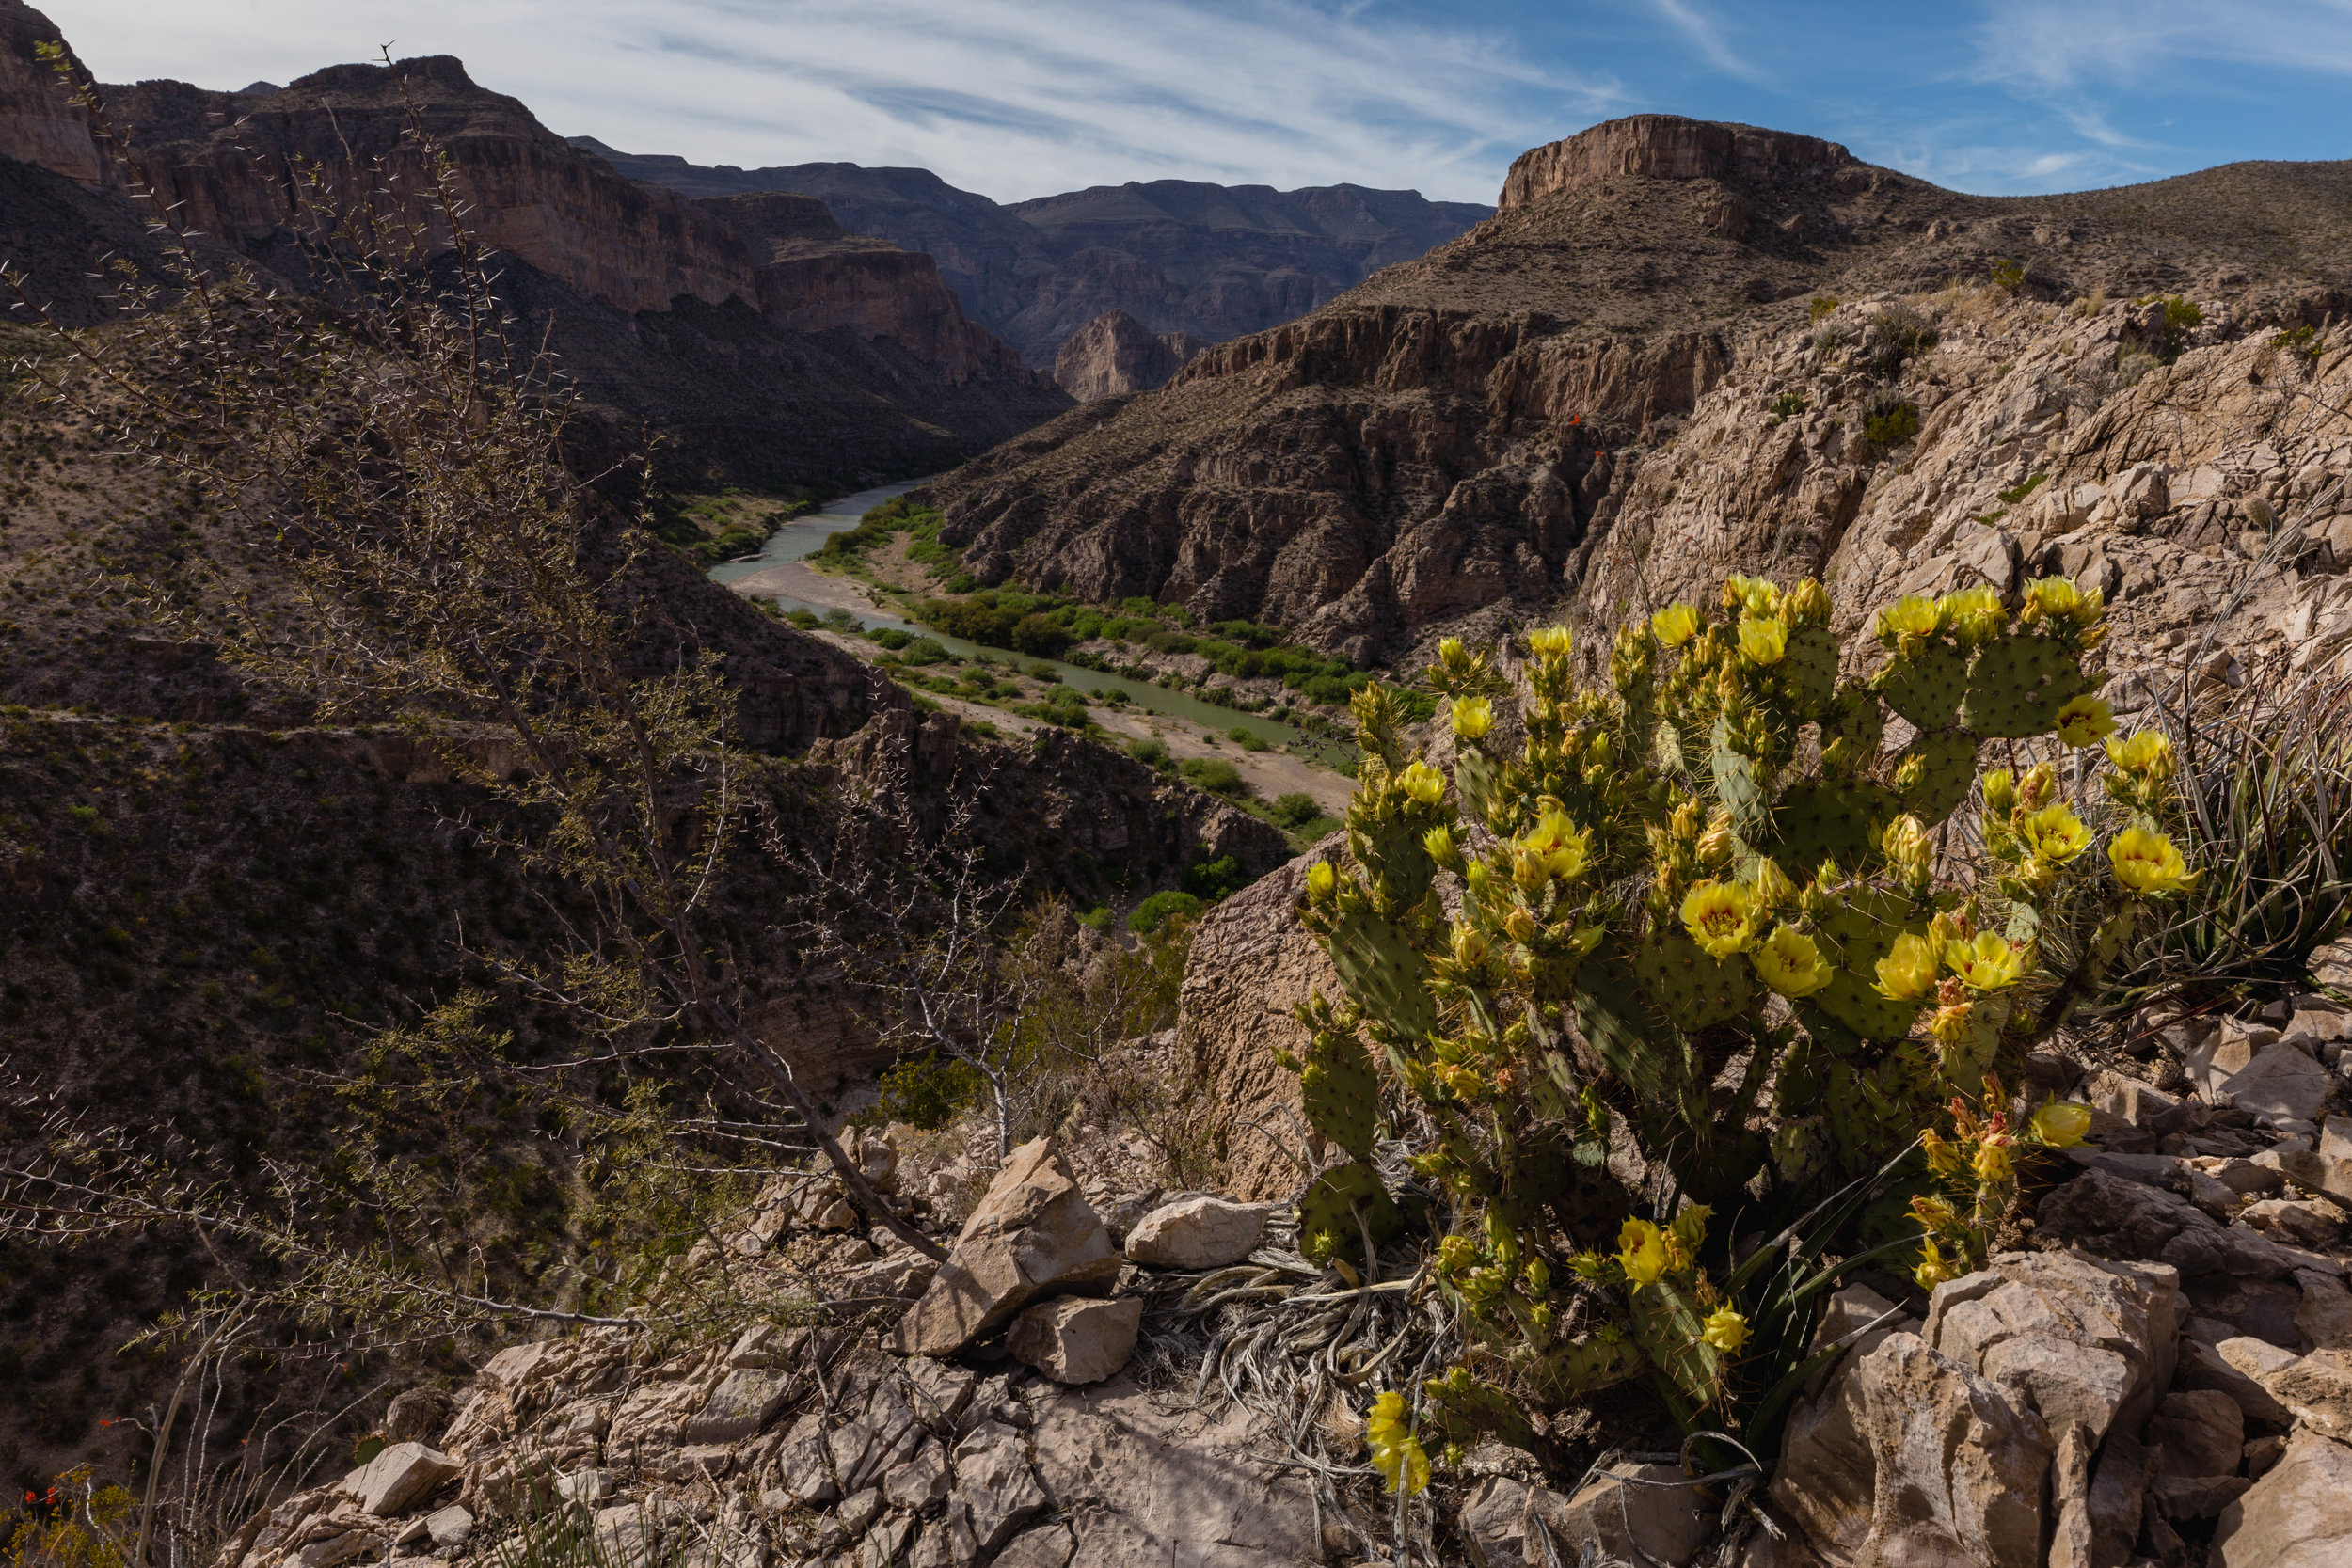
[[1020, 98]]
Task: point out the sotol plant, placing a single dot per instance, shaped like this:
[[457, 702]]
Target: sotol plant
[[1711, 908]]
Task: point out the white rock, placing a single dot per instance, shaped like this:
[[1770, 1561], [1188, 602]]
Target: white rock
[[994, 1484], [404, 1472], [449, 1527], [2279, 1084], [1197, 1233], [2297, 1516]]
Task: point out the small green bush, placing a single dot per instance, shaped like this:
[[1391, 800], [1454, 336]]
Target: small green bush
[[1152, 753], [805, 619], [1822, 307], [1244, 740], [926, 1091], [924, 650], [1210, 880], [1788, 406], [1214, 774], [1295, 809], [889, 637], [1159, 909], [1890, 423], [1898, 334]]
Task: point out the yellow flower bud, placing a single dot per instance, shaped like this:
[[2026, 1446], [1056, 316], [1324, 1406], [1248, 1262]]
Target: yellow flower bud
[[1715, 844], [1974, 614], [2147, 754], [2061, 1124], [2050, 597], [1440, 842], [1932, 1271], [1773, 887], [1322, 882], [1520, 924], [1950, 1024], [1470, 945], [2001, 792], [1809, 603], [1907, 846], [1943, 1157], [1992, 1160]]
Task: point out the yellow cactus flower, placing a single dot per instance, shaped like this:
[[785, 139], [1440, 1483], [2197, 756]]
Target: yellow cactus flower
[[1911, 617], [1396, 1454], [1687, 1230], [2086, 721], [1942, 1155], [2055, 835], [2001, 792], [1675, 625], [1974, 614], [1550, 641], [1909, 971], [1642, 1252], [1988, 964], [1440, 842], [2147, 862], [1322, 882], [1721, 917], [2147, 754], [1423, 783], [1791, 963], [1773, 887], [1472, 718], [1763, 639], [1564, 848], [2050, 597], [1725, 1330], [2061, 1124], [1809, 603], [1465, 1083]]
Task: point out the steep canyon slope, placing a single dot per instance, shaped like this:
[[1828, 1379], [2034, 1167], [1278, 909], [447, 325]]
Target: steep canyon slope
[[1682, 348], [766, 343], [1178, 255]]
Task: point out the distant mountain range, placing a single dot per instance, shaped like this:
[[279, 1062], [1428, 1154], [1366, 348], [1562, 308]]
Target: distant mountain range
[[1178, 256]]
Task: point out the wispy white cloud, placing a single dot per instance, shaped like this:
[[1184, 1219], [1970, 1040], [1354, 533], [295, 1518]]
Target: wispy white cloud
[[1705, 34], [2092, 44], [1014, 98]]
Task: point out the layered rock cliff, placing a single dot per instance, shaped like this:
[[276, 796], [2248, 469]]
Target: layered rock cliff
[[1115, 354], [769, 344], [1616, 389], [1179, 256]]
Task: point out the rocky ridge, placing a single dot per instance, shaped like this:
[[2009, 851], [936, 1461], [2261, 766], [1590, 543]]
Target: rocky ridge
[[1115, 354], [1180, 256], [1618, 388]]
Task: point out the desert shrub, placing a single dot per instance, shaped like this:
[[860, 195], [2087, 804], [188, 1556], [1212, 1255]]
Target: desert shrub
[[1158, 910], [889, 637], [1898, 335], [1041, 635], [1890, 422], [1777, 982], [2131, 364], [2303, 341], [923, 649], [1247, 740], [805, 619], [1788, 406], [838, 619], [1152, 753], [1210, 880], [1821, 308], [925, 1092], [2009, 277], [1295, 808], [1214, 774], [2181, 316], [1827, 340]]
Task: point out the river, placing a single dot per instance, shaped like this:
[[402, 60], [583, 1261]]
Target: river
[[803, 537]]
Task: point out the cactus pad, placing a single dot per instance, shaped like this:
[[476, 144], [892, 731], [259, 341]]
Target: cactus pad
[[1859, 932], [1474, 774], [2018, 683], [1858, 721], [1339, 1091], [1694, 989], [1811, 666], [1825, 821], [1327, 1223], [1926, 688], [1384, 972], [1947, 769], [1741, 785]]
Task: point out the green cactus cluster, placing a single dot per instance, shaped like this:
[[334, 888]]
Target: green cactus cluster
[[1708, 906]]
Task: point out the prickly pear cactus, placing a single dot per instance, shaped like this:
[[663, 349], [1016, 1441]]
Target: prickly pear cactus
[[1705, 908]]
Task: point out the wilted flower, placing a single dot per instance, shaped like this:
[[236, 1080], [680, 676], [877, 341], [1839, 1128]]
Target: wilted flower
[[1791, 963], [1988, 964], [1908, 972], [1715, 843], [1462, 1082], [1942, 1155], [1763, 639], [2001, 792], [1470, 945], [1473, 717], [2147, 862], [1550, 641], [1907, 846], [1675, 625], [2086, 721], [2039, 787], [1396, 1454], [2061, 1124], [1725, 1330], [1932, 1271], [1951, 1024], [1992, 1160], [1809, 603], [1721, 917], [1520, 924]]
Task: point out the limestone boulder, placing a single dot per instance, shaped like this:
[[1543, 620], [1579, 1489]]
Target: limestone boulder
[[1076, 1341], [1613, 1518], [2078, 1341], [2297, 1516], [2281, 1085], [1033, 1235], [1200, 1232], [402, 1474], [997, 1489]]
